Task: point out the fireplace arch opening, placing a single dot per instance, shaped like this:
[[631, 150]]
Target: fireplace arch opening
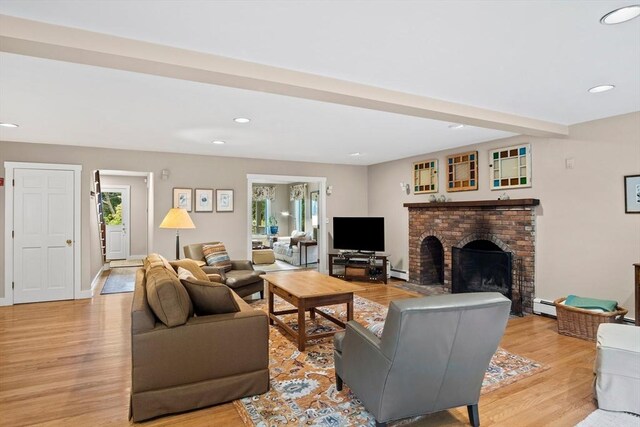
[[431, 261], [483, 245]]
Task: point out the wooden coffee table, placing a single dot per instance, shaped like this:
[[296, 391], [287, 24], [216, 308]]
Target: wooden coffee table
[[308, 290]]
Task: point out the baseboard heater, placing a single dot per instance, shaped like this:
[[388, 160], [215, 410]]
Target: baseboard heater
[[542, 306], [399, 274]]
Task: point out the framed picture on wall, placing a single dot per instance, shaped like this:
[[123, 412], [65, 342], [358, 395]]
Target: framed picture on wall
[[224, 200], [204, 199], [632, 194], [182, 198]]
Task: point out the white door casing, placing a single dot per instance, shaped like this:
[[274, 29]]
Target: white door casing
[[7, 297], [118, 235], [43, 240]]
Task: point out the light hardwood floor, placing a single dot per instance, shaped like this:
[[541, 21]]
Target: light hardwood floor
[[68, 364]]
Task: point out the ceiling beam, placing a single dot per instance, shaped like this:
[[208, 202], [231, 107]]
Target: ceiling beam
[[42, 40]]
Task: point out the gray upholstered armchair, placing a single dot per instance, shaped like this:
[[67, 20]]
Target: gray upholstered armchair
[[242, 278], [432, 356]]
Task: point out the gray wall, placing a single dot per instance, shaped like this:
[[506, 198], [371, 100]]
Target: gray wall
[[137, 208], [586, 244], [192, 171]]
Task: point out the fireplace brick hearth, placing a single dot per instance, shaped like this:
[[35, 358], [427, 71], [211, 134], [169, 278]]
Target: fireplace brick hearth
[[509, 224]]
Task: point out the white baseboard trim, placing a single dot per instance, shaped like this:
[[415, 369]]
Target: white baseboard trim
[[89, 293], [400, 274], [5, 301]]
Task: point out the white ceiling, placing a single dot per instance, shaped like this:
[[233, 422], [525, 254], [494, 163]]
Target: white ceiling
[[530, 58]]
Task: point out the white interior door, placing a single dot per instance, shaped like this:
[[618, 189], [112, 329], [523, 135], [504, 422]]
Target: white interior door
[[115, 206], [43, 217]]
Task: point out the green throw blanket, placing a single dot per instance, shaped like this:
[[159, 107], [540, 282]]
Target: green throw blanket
[[591, 303]]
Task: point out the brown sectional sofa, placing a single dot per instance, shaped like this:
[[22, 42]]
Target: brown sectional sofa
[[204, 361]]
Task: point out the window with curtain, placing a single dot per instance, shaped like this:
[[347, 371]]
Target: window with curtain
[[299, 214], [263, 195]]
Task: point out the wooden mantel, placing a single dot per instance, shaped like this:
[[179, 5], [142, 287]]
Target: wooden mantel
[[474, 204]]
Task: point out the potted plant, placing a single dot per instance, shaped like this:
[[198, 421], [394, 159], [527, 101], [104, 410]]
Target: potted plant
[[273, 225]]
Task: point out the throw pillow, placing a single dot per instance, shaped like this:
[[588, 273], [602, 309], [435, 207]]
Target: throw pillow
[[210, 298], [167, 298], [191, 265], [183, 273], [216, 256]]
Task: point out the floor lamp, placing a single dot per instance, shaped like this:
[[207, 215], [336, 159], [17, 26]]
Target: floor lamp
[[177, 218]]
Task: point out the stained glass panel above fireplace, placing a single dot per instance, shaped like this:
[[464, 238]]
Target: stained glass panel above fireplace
[[511, 167]]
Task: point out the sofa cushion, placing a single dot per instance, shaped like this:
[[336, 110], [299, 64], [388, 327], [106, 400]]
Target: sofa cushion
[[167, 297], [239, 278], [210, 297], [216, 256], [191, 266]]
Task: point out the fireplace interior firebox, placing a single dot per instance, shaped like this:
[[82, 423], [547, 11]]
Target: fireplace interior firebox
[[481, 266]]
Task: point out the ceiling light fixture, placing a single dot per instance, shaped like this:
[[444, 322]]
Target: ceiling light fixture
[[601, 88], [218, 142], [456, 126], [356, 154], [8, 125], [621, 15], [241, 120]]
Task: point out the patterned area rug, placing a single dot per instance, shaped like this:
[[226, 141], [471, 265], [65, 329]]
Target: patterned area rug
[[302, 383]]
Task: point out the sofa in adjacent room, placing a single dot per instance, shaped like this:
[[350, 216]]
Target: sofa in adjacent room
[[181, 361], [288, 249]]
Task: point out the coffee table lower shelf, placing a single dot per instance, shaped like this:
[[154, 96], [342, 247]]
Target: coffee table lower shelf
[[311, 305]]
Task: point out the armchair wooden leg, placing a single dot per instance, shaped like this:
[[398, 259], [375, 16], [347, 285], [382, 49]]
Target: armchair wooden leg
[[338, 383], [474, 417], [261, 294]]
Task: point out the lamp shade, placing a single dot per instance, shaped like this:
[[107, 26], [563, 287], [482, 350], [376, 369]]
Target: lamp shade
[[177, 218]]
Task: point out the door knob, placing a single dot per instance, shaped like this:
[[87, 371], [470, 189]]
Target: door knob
[[69, 242]]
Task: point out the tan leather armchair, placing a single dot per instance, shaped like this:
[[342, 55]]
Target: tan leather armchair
[[242, 278], [432, 356]]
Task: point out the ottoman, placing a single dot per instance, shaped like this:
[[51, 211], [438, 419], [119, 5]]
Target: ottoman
[[263, 256], [617, 368]]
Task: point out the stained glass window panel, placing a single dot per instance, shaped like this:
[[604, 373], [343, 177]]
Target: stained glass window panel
[[462, 173], [511, 167], [425, 177]]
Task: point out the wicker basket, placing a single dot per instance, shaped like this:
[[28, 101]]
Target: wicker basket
[[580, 323]]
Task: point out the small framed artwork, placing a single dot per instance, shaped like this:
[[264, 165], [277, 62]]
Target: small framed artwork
[[632, 194], [425, 178], [224, 200], [182, 198], [204, 199], [462, 172], [510, 167]]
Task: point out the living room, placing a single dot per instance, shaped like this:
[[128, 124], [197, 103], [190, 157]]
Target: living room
[[585, 242]]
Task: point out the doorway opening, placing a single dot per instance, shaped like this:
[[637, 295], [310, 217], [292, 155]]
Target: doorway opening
[[285, 222]]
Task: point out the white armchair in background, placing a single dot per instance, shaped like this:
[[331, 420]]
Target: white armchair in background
[[288, 249]]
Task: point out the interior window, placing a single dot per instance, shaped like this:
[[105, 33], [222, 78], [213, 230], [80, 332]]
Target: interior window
[[260, 216], [300, 214]]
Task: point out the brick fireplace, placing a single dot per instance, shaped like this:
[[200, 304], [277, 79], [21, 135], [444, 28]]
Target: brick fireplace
[[508, 225]]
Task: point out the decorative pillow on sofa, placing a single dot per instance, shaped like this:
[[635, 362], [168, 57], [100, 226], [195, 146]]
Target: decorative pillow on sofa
[[216, 256], [210, 297], [167, 298], [191, 266]]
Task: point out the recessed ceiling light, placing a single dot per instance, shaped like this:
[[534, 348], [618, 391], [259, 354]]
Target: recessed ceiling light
[[9, 125], [456, 126], [621, 15], [218, 142], [601, 88], [356, 154], [241, 120]]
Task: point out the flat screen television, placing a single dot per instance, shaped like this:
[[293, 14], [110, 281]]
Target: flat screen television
[[361, 234]]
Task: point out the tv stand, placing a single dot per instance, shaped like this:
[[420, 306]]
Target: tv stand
[[359, 266]]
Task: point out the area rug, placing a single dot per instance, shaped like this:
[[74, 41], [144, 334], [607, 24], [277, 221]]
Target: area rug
[[302, 383], [120, 280], [279, 265], [125, 263], [602, 418]]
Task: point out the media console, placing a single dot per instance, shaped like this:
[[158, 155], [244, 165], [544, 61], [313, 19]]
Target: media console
[[358, 266]]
